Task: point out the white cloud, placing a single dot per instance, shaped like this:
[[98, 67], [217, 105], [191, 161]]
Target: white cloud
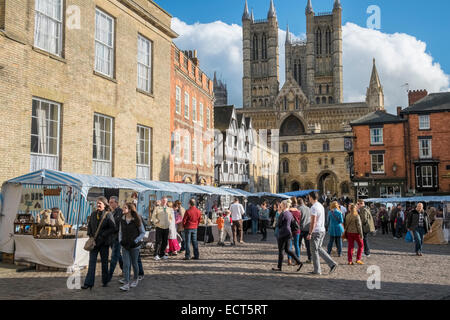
[[401, 59]]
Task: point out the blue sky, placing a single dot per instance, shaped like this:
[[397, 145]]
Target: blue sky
[[427, 20], [411, 46]]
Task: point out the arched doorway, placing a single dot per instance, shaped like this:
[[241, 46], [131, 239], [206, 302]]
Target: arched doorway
[[327, 183], [295, 186]]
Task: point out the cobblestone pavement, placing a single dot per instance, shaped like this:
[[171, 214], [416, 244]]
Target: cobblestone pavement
[[244, 272]]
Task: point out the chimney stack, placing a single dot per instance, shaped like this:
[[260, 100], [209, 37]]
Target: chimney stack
[[399, 109], [416, 95]]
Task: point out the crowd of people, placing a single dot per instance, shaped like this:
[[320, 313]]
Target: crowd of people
[[297, 223]]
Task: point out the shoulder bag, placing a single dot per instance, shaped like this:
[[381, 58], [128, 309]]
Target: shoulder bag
[[90, 244]]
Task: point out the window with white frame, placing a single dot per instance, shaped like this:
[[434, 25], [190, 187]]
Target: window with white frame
[[104, 43], [187, 149], [48, 27], [178, 100], [424, 122], [377, 163], [200, 153], [376, 136], [144, 64], [425, 148], [102, 146], [194, 151], [186, 105], [143, 152], [177, 147], [427, 176], [200, 115], [45, 135], [194, 109], [208, 118]]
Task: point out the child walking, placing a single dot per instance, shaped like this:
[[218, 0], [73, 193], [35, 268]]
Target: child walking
[[227, 227], [220, 223]]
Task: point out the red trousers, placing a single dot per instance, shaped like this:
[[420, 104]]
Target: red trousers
[[351, 238]]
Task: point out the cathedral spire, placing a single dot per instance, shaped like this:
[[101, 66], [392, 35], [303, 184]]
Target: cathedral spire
[[309, 8], [375, 93], [272, 13], [375, 79], [337, 4], [288, 35], [246, 15], [252, 16]]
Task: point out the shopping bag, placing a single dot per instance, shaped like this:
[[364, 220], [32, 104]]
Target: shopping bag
[[409, 237]]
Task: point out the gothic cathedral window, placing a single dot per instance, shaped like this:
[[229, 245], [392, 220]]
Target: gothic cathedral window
[[264, 46], [255, 47], [328, 41], [318, 41]]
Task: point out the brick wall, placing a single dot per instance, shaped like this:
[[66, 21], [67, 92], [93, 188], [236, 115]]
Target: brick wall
[[440, 132], [71, 82], [202, 91], [416, 95], [393, 145]]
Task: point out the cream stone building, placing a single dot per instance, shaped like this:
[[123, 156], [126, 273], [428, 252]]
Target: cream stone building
[[85, 87], [307, 117]]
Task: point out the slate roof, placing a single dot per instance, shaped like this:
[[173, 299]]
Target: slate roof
[[222, 117], [434, 102], [377, 117]]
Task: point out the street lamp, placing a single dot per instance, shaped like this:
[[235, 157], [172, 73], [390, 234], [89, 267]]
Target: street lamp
[[394, 168]]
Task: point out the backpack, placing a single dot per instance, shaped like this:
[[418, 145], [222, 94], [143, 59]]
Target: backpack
[[294, 226]]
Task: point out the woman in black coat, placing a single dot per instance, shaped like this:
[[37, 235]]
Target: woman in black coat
[[102, 241]]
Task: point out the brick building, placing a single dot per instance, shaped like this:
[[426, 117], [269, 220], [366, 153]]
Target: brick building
[[84, 87], [192, 120], [379, 168], [427, 144]]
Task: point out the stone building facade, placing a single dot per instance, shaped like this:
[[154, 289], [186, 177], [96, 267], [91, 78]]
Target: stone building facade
[[192, 115], [309, 107], [220, 92], [93, 97]]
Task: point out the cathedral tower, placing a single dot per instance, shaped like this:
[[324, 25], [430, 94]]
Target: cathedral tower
[[324, 65], [261, 62]]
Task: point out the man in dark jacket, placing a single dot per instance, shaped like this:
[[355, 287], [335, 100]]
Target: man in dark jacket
[[115, 245], [367, 224], [191, 220], [419, 224], [392, 218]]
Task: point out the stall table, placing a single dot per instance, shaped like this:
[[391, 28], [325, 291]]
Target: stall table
[[56, 253], [211, 231]]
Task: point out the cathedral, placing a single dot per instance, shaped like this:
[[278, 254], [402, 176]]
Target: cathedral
[[307, 118]]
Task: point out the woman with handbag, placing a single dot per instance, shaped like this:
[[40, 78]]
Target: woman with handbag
[[354, 232], [285, 235], [335, 227], [131, 233], [101, 227], [179, 215]]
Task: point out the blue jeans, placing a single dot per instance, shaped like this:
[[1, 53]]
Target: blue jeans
[[130, 259], [254, 226], [191, 236], [338, 241], [399, 230], [104, 253], [296, 241], [141, 268], [418, 238], [115, 256]]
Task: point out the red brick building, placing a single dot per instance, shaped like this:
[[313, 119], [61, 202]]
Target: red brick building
[[192, 121], [379, 168], [428, 142]]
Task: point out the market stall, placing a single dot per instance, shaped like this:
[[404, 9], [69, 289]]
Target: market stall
[[440, 233], [30, 226]]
